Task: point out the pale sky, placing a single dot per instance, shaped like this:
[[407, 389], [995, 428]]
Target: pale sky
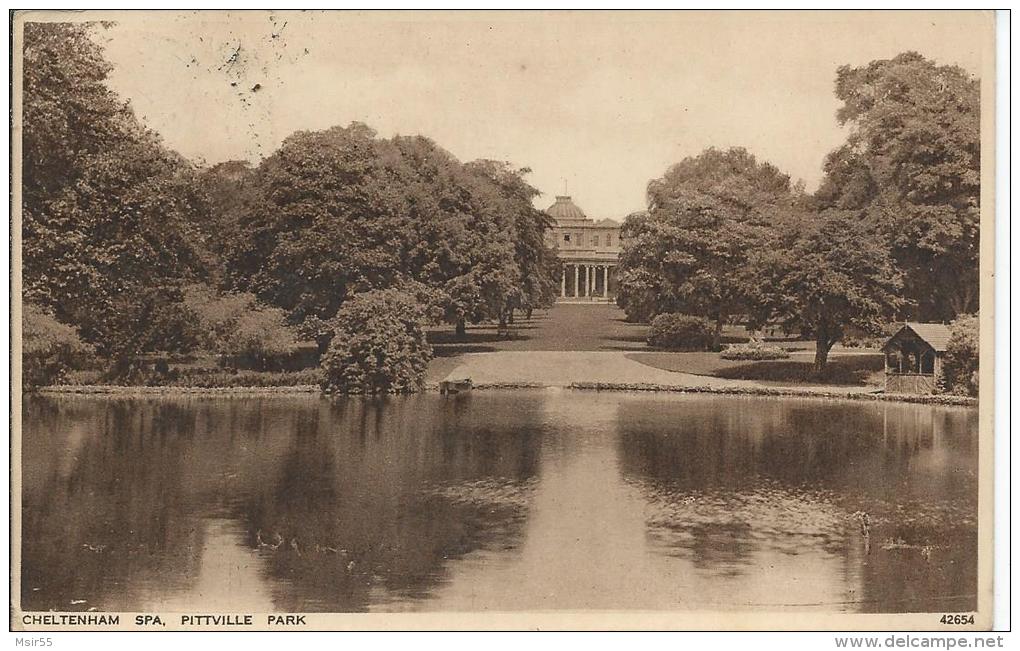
[[601, 102]]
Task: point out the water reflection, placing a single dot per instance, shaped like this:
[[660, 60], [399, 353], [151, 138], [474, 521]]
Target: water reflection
[[742, 486], [497, 501]]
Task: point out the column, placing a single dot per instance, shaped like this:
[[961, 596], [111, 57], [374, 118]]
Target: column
[[563, 281], [885, 375], [605, 281], [590, 271], [576, 287]]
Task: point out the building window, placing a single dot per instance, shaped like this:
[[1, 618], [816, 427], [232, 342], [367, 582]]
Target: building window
[[609, 240], [566, 238], [595, 240]]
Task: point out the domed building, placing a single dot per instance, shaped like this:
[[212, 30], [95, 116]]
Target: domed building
[[588, 250]]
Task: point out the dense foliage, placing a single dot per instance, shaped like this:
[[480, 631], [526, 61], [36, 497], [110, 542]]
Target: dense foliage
[[822, 275], [960, 365], [106, 208], [378, 345], [891, 232], [145, 253], [342, 211], [49, 348], [674, 331], [356, 241], [536, 267], [236, 325], [689, 252], [911, 164]]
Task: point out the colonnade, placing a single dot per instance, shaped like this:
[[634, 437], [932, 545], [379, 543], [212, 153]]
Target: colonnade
[[590, 280]]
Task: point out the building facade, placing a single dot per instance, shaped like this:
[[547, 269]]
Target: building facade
[[588, 252]]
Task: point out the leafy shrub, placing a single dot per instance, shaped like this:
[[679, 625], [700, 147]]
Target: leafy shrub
[[638, 295], [49, 348], [237, 325], [219, 377], [960, 364], [378, 345], [142, 320], [754, 350], [261, 332], [681, 332]]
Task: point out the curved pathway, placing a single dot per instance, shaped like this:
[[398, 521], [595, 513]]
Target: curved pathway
[[572, 344], [563, 368]]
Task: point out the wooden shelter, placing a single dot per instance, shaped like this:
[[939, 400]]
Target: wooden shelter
[[913, 357]]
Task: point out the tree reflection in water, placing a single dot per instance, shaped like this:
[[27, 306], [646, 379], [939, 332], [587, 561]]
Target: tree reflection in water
[[500, 500], [735, 481], [367, 496]]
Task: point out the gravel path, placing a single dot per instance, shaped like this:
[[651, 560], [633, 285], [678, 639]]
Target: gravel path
[[566, 368]]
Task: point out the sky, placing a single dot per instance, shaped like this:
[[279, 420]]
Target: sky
[[595, 104]]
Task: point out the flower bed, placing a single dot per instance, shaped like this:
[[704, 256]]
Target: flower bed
[[754, 351]]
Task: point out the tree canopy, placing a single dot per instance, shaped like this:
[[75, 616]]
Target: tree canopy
[[821, 275], [912, 164], [342, 211], [106, 208], [116, 225], [688, 253]]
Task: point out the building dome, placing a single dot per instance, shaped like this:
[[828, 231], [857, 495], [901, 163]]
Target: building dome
[[564, 210]]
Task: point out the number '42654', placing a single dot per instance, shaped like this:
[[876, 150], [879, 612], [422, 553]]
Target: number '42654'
[[957, 619]]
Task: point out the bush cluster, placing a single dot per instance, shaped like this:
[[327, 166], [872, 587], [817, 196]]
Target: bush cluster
[[237, 326], [378, 345], [754, 350], [960, 365], [49, 348], [674, 331], [231, 378]]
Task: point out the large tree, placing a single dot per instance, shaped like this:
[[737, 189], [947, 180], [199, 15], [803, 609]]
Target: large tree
[[688, 252], [339, 212], [106, 208], [912, 164], [323, 221], [819, 275], [230, 188], [535, 276]]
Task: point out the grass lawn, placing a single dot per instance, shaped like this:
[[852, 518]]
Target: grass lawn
[[565, 327], [846, 368], [601, 327]]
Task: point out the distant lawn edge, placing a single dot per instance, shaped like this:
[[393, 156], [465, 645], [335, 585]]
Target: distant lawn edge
[[852, 369], [134, 391], [129, 390], [934, 399]]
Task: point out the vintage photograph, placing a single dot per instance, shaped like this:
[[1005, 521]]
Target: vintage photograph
[[652, 319]]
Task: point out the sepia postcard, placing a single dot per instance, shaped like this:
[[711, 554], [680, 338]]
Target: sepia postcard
[[502, 320]]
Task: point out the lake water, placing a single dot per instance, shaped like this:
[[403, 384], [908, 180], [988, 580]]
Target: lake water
[[526, 500]]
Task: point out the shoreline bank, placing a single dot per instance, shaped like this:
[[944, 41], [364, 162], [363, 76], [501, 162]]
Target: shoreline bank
[[127, 390], [792, 392], [779, 392]]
